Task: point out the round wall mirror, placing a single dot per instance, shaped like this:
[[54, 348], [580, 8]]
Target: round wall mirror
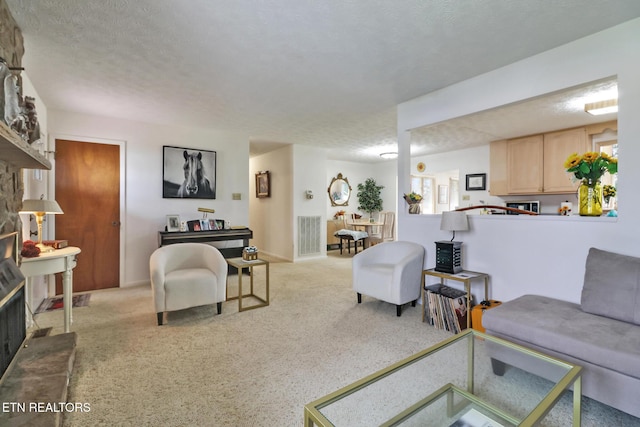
[[339, 191]]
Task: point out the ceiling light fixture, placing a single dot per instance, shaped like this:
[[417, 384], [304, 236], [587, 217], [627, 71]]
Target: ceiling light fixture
[[389, 155], [602, 107]]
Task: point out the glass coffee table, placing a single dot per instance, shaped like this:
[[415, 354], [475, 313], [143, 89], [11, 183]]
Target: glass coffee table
[[453, 384]]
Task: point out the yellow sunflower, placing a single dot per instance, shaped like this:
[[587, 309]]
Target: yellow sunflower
[[573, 160], [590, 156], [591, 165]]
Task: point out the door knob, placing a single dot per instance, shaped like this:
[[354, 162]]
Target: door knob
[[116, 223]]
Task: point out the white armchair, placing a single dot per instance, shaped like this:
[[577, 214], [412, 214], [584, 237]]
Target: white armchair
[[185, 275], [391, 272]]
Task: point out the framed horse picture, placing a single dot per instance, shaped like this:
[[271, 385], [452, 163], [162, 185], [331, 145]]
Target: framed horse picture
[[188, 173]]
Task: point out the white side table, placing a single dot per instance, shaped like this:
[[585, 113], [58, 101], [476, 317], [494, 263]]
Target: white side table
[[58, 261]]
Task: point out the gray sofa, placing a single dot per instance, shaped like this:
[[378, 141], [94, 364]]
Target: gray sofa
[[601, 334]]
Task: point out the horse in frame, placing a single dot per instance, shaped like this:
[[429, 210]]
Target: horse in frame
[[195, 184]]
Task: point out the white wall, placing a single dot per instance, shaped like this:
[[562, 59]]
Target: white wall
[[539, 255], [357, 173], [469, 161], [476, 160], [145, 209], [294, 170], [271, 218], [35, 185], [309, 168]]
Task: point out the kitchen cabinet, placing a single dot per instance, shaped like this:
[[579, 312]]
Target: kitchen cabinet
[[524, 165], [498, 168], [535, 164], [557, 147]]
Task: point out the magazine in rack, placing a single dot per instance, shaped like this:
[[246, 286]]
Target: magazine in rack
[[446, 308]]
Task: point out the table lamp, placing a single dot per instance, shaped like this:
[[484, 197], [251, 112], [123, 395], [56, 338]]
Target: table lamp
[[39, 208], [449, 253]]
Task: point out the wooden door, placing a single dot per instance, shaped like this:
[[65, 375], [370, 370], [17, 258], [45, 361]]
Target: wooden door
[[88, 191]]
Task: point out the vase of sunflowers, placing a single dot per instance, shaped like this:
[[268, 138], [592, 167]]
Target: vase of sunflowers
[[590, 197], [589, 168], [413, 199]]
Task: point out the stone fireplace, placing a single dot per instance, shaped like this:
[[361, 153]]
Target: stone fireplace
[[39, 371], [12, 304], [15, 155]]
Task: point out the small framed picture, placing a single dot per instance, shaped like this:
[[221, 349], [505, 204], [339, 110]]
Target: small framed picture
[[263, 184], [443, 194], [219, 224], [476, 181], [204, 225], [194, 225], [213, 225], [173, 222]]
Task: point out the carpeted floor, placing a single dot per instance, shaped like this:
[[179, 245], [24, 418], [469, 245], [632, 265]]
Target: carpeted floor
[[255, 368]]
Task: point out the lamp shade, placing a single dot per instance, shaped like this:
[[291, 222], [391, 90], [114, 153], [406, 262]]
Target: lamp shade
[[454, 221], [40, 205]]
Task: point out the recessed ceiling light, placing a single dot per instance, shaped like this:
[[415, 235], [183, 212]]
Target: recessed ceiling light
[[389, 155], [602, 107]]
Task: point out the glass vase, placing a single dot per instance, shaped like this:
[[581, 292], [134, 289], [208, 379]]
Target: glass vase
[[590, 196]]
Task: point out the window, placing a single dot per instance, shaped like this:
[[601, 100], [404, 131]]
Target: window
[[424, 185], [611, 148], [453, 194]]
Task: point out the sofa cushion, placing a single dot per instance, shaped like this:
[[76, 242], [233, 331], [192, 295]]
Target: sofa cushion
[[612, 286], [563, 327]]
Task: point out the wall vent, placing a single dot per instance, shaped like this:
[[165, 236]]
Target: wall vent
[[309, 235]]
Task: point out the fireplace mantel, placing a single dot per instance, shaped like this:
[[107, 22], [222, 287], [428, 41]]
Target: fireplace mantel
[[18, 153]]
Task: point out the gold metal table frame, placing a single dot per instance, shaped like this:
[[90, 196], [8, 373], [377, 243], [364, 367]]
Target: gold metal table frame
[[241, 264], [313, 412]]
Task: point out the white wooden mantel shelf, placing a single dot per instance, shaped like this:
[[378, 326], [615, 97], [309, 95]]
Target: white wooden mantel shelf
[[18, 153]]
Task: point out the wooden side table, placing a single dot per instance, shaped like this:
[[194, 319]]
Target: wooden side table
[[58, 261], [464, 276], [240, 264]]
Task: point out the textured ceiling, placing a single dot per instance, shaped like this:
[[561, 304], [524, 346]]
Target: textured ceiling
[[325, 73], [560, 110]]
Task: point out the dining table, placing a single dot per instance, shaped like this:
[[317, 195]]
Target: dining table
[[366, 225]]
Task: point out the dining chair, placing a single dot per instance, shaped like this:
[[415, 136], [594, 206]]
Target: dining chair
[[349, 235], [385, 232]]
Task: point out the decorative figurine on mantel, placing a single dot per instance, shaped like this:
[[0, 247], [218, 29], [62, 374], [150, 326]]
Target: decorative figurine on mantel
[[20, 115], [33, 126], [12, 116]]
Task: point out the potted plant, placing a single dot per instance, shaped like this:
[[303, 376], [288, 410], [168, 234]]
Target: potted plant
[[369, 199]]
